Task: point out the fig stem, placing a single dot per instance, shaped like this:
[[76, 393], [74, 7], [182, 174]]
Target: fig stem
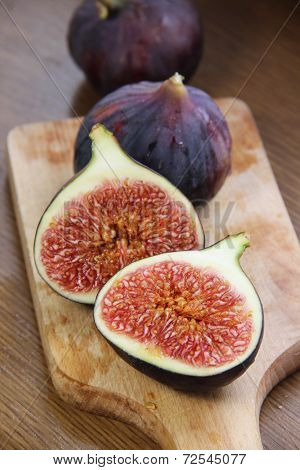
[[114, 4], [235, 244], [177, 79], [104, 144], [175, 86]]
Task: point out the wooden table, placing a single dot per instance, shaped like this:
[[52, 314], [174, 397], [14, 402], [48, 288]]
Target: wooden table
[[237, 34]]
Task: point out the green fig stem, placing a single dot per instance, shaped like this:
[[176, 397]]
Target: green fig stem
[[99, 131], [104, 143], [114, 4], [235, 244], [100, 136], [105, 6]]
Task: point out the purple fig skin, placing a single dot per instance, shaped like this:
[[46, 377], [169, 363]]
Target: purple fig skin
[[189, 383], [175, 130], [116, 42]]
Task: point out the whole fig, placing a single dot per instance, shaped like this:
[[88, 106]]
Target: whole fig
[[176, 130], [116, 42]]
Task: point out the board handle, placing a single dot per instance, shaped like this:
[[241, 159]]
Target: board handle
[[229, 417], [226, 419]]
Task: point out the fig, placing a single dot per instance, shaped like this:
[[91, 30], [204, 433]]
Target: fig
[[174, 129], [192, 320], [116, 42], [112, 213]]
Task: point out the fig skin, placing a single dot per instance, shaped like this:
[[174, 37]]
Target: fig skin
[[189, 383], [176, 130], [116, 42]]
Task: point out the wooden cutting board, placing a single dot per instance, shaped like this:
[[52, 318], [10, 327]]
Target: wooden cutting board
[[87, 373]]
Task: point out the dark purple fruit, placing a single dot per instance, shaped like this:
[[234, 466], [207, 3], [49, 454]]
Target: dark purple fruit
[[116, 42], [173, 129], [191, 319]]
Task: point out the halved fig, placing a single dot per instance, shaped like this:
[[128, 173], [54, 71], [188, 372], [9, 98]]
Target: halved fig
[[112, 213], [190, 319]]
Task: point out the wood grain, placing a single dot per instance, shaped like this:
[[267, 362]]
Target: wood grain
[[236, 33], [85, 370]]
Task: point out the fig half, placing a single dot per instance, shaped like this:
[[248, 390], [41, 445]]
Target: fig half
[[112, 213], [192, 319]]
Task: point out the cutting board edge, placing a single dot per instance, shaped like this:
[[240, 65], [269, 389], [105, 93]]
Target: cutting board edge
[[111, 405]]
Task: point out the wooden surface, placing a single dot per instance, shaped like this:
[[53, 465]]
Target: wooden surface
[[85, 370], [237, 34]]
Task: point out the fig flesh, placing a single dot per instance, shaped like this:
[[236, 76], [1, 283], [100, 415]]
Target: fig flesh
[[173, 129], [112, 213], [116, 42], [190, 319]]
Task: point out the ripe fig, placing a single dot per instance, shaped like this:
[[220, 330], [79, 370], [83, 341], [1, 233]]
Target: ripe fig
[[173, 129], [112, 213], [191, 319], [116, 42]]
